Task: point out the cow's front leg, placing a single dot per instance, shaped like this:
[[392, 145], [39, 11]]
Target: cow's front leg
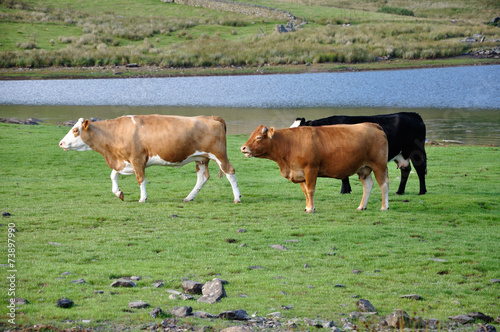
[[346, 186], [366, 179], [308, 188], [114, 185], [202, 176]]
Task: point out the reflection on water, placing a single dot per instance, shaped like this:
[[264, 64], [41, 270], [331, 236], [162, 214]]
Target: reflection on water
[[467, 126]]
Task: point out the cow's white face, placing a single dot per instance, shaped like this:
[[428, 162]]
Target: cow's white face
[[73, 139]]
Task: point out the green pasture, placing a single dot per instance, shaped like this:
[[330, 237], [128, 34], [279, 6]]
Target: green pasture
[[61, 33], [65, 198]]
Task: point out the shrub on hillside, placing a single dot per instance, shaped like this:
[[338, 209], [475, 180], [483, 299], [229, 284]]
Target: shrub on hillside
[[396, 11]]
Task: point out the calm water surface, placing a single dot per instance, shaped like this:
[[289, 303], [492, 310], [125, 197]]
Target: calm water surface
[[458, 104]]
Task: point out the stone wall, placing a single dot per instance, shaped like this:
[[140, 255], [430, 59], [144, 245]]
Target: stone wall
[[238, 7]]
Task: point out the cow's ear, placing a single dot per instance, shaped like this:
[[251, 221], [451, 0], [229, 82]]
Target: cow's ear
[[85, 124], [270, 132]]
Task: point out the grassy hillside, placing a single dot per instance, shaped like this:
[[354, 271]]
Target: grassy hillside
[[442, 246], [61, 33]]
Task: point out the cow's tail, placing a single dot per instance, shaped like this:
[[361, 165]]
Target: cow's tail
[[221, 120]]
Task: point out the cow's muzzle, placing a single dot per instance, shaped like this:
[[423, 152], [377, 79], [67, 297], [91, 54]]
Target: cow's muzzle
[[61, 145], [246, 151]]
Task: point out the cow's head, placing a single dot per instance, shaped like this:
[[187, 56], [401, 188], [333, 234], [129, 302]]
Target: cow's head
[[259, 144], [298, 122], [73, 139]]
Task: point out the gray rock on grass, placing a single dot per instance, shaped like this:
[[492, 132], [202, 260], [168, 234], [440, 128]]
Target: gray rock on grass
[[365, 306]]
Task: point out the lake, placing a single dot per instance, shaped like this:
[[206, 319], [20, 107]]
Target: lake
[[459, 104]]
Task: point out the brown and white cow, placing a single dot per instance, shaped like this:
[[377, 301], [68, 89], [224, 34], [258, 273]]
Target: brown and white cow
[[131, 143], [305, 153]]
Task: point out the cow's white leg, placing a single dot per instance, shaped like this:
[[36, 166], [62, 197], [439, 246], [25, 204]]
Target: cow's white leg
[[114, 185], [234, 185], [200, 181], [384, 188], [144, 196], [367, 182]]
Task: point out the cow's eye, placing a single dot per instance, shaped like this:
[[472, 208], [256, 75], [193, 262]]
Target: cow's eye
[[258, 138], [76, 132]]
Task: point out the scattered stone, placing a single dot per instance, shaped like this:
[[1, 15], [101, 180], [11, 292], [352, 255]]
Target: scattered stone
[[354, 296], [234, 315], [462, 319], [65, 273], [279, 247], [29, 121], [243, 245], [319, 323], [365, 306], [182, 311], [237, 329], [256, 267], [64, 303], [79, 281], [132, 65], [186, 297], [158, 284], [207, 299], [98, 292], [156, 312], [411, 296], [497, 320], [174, 292], [480, 316], [202, 314], [399, 319], [354, 315], [495, 281], [242, 230], [18, 301], [486, 328], [123, 283], [6, 214], [215, 289], [173, 297], [339, 285], [439, 260], [192, 287], [356, 271], [138, 305]]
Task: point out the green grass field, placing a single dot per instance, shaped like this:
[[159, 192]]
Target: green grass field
[[60, 34], [65, 197]]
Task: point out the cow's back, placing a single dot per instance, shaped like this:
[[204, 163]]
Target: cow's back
[[172, 138]]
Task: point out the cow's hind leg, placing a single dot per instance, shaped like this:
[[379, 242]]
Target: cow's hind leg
[[382, 177], [114, 185], [202, 177], [228, 169], [419, 160], [366, 180]]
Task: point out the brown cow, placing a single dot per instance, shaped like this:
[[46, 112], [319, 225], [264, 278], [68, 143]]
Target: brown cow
[[131, 143], [305, 153]]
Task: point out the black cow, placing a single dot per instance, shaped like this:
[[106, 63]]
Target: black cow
[[406, 135]]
